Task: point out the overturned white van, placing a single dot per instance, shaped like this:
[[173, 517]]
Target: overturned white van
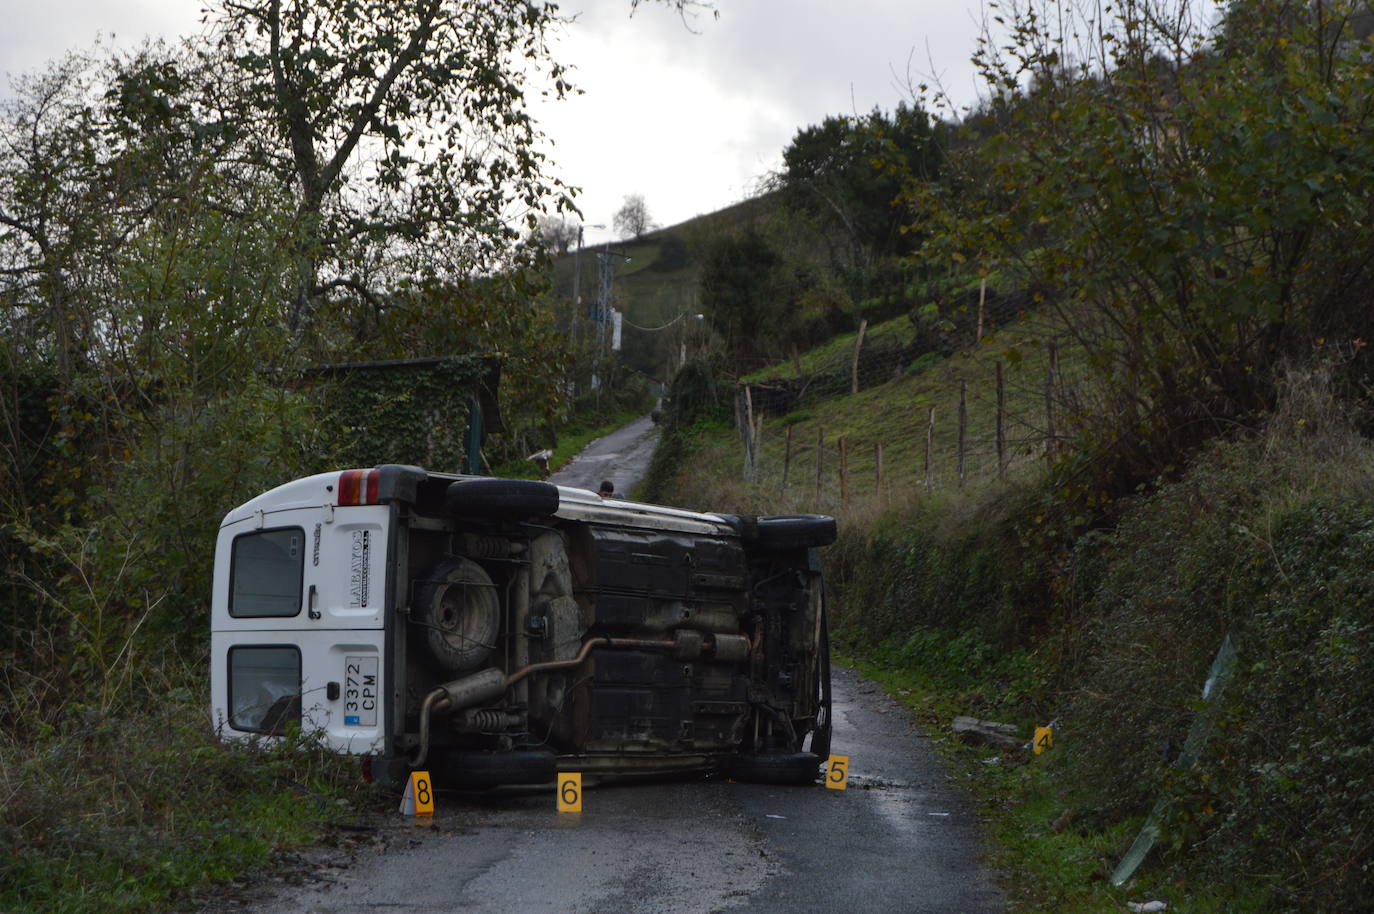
[[496, 631]]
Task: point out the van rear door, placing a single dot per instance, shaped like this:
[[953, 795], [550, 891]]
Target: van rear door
[[297, 628]]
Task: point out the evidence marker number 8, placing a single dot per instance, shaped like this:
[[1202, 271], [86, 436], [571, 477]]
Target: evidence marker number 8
[[422, 792]]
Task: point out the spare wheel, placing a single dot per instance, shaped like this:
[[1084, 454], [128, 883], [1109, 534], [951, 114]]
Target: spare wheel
[[458, 609]]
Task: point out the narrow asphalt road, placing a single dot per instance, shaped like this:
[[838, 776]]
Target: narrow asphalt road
[[899, 839], [621, 457]]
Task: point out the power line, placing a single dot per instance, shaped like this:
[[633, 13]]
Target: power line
[[670, 323]]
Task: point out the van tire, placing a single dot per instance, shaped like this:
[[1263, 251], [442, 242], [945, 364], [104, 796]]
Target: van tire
[[791, 531], [475, 769], [498, 499], [457, 607], [781, 768]]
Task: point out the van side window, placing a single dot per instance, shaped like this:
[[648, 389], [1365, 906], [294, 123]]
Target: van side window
[[265, 573], [264, 688]]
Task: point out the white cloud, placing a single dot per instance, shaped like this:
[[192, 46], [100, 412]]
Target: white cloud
[[691, 120], [37, 32]]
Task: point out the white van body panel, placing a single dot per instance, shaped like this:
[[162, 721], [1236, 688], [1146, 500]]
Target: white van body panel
[[495, 628], [355, 660], [344, 568]]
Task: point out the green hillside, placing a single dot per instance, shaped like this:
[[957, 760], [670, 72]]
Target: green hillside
[[658, 285], [977, 600], [1164, 556]]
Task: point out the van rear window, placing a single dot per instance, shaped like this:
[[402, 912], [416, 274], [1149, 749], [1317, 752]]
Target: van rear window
[[265, 573], [264, 688]]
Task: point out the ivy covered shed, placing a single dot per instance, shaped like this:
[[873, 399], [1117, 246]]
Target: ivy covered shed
[[430, 412]]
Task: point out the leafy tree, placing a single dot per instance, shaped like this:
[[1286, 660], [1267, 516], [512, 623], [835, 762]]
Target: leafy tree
[[400, 131], [1192, 205], [140, 309], [738, 288], [845, 175], [632, 219], [150, 270], [556, 234]]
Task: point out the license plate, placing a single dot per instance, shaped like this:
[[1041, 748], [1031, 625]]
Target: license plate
[[361, 691]]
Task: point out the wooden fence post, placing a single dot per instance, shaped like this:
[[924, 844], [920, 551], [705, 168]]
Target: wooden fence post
[[748, 434], [1001, 422], [878, 466], [820, 448], [858, 347], [982, 299], [844, 473], [930, 446], [786, 455], [758, 442], [963, 426]]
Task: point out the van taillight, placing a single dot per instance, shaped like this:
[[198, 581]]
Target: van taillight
[[359, 487]]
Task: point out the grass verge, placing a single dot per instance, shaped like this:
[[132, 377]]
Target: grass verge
[[145, 811], [1049, 859]]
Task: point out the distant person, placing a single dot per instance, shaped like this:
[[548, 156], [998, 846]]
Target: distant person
[[607, 489]]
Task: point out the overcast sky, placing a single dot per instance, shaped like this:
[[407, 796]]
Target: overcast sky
[[689, 119]]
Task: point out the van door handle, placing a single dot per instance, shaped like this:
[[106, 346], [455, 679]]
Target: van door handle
[[310, 609]]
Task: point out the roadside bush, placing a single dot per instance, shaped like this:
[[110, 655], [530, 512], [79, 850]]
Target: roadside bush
[[1269, 538], [131, 811], [1284, 795], [1175, 573], [924, 572], [110, 592]]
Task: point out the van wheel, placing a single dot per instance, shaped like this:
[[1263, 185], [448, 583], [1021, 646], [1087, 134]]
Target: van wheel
[[792, 531], [460, 613], [498, 499], [785, 768]]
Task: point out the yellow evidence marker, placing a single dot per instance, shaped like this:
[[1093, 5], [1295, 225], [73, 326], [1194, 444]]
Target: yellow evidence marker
[[569, 792], [837, 772], [418, 799], [1044, 739]]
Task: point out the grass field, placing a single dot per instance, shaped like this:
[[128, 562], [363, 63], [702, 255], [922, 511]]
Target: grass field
[[914, 420]]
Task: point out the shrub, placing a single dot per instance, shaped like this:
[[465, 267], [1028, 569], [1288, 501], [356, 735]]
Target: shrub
[[1251, 541], [921, 363], [132, 810]]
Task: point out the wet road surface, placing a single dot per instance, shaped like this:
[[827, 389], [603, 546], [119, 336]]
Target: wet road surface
[[900, 839], [622, 457]]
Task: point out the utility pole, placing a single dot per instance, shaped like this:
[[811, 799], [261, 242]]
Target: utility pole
[[577, 288], [605, 294]]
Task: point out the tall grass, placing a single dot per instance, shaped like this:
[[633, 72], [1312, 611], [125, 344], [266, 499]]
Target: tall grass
[[131, 804]]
